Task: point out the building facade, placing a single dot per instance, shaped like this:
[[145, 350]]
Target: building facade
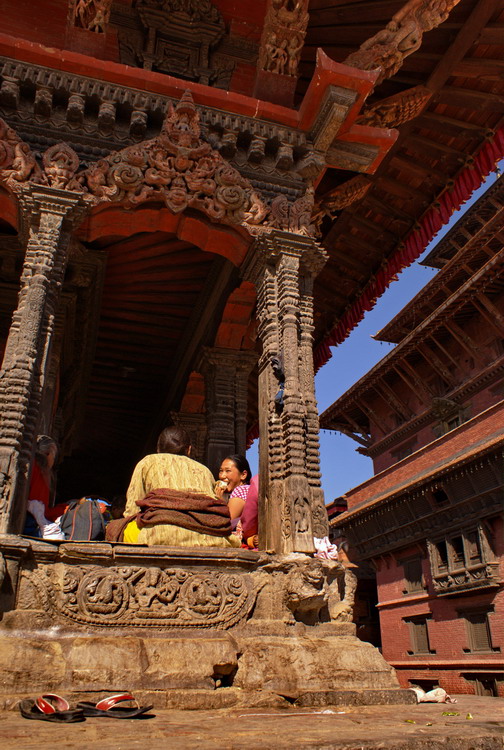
[[431, 416]]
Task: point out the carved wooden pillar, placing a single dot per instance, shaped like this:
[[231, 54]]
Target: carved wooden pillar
[[226, 373], [292, 507], [46, 219], [196, 426]]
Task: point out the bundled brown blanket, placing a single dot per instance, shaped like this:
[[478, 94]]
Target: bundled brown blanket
[[201, 513]]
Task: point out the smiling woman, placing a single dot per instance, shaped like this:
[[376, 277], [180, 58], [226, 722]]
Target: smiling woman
[[235, 471]]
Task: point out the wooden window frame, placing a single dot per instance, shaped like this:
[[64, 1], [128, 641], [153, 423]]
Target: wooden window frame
[[413, 622]]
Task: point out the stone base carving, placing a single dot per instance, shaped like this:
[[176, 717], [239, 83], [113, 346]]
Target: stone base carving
[[95, 617]]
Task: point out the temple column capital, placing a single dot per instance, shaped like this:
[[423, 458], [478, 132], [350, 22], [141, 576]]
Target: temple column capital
[[271, 247]]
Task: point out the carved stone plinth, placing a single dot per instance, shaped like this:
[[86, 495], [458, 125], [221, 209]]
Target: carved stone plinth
[[94, 617]]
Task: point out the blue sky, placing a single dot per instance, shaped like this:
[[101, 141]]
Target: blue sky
[[342, 467]]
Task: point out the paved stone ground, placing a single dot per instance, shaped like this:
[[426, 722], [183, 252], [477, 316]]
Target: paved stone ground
[[413, 727]]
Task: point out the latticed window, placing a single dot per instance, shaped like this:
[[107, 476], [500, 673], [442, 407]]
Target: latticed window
[[419, 635], [478, 630], [473, 547]]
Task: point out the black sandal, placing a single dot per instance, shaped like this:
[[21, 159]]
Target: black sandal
[[50, 707], [108, 707]]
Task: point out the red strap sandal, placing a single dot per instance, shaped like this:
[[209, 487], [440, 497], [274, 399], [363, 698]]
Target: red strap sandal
[[108, 707]]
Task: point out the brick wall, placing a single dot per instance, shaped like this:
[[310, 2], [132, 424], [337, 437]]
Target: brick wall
[[449, 642]]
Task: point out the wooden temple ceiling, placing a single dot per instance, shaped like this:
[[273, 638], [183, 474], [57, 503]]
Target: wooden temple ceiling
[[461, 64], [161, 296]]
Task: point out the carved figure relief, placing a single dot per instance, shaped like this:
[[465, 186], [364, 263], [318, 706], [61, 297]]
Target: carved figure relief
[[341, 597], [139, 597], [176, 38], [92, 15], [339, 198], [302, 515], [401, 37], [306, 592], [283, 36], [393, 111]]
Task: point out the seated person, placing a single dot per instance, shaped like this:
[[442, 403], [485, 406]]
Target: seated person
[[235, 472], [249, 516], [41, 515], [170, 500]]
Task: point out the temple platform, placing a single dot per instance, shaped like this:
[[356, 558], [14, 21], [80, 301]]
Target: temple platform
[[408, 727], [184, 628]]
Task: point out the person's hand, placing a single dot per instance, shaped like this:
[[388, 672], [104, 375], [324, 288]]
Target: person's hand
[[220, 488]]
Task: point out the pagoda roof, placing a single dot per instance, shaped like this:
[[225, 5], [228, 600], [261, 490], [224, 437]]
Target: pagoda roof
[[469, 241], [489, 276]]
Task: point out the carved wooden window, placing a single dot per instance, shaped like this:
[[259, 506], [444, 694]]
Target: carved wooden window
[[441, 561], [455, 421], [456, 550], [419, 635], [474, 552], [464, 561], [413, 575]]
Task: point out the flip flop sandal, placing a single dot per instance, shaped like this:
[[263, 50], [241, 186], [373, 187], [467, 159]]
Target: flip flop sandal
[[108, 707], [50, 707]]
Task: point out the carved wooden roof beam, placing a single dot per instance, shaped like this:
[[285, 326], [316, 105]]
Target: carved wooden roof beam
[[437, 364], [419, 168], [417, 340], [402, 36], [365, 443], [457, 96], [390, 398], [465, 341], [416, 384], [489, 311], [356, 427], [451, 126]]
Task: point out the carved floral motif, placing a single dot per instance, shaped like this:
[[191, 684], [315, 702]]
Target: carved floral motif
[[401, 37], [293, 217], [177, 168]]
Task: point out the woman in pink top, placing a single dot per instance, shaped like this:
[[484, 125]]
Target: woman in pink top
[[235, 471]]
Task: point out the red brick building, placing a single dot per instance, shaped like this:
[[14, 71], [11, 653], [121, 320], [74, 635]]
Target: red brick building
[[431, 416]]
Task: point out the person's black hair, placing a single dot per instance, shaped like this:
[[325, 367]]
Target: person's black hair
[[241, 464], [174, 440], [43, 448]]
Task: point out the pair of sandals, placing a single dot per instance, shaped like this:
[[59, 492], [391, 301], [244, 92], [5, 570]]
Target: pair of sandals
[[51, 707]]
